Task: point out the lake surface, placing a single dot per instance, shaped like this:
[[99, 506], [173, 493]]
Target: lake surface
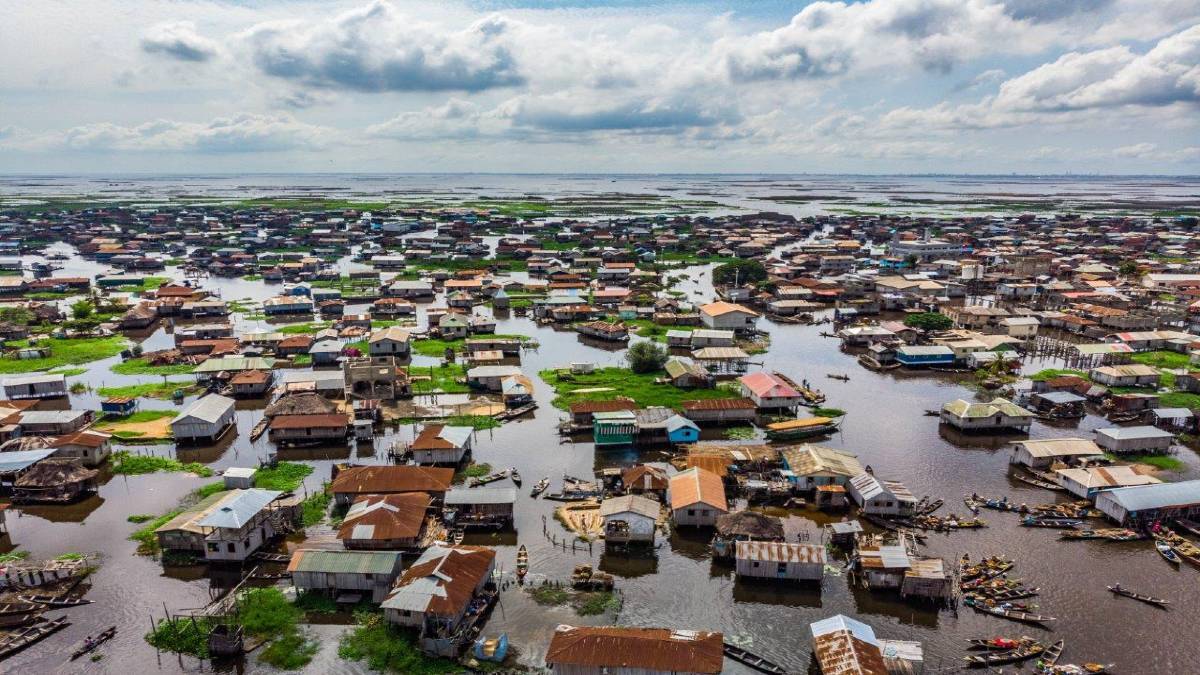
[[677, 585]]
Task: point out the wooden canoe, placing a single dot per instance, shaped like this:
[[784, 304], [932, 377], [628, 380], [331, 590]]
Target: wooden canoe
[[752, 660], [1140, 597], [28, 636]]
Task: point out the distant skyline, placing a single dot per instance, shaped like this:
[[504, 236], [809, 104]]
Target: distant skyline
[[1102, 87]]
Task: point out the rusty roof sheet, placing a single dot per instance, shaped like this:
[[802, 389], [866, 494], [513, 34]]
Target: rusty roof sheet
[[392, 479], [384, 517], [696, 486], [648, 649]]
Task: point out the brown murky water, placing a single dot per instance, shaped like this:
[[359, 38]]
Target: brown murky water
[[677, 585]]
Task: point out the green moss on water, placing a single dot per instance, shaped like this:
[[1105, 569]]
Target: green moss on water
[[284, 476], [205, 491], [593, 604], [828, 412]]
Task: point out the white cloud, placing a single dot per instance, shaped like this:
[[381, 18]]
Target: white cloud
[[378, 49], [247, 132], [179, 40]]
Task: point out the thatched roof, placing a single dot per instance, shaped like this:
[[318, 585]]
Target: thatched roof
[[305, 403], [749, 524], [55, 472], [22, 443]]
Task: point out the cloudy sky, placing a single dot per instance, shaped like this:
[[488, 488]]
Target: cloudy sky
[[876, 86]]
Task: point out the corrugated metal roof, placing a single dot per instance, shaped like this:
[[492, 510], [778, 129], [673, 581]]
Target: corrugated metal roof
[[209, 408], [22, 459], [240, 508], [1143, 497], [344, 562], [1127, 433], [495, 495], [1060, 447]]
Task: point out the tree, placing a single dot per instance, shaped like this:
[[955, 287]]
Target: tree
[[740, 272], [82, 310], [1127, 268], [928, 321], [646, 357]]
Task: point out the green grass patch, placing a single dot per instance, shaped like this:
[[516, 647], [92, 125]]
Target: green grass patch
[[473, 470], [139, 366], [641, 387], [386, 648], [476, 422], [828, 412], [442, 378], [304, 328], [594, 604], [550, 595], [206, 491], [1180, 399], [315, 603], [1163, 462], [66, 352], [1051, 373], [159, 390], [145, 537], [142, 416], [129, 464], [69, 372], [315, 507], [1162, 359], [284, 476], [13, 556], [437, 347]]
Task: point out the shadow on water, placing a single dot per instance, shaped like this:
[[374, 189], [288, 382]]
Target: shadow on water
[[771, 592], [629, 563]]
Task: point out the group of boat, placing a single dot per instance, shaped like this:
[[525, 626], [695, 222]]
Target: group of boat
[[987, 589], [999, 651]]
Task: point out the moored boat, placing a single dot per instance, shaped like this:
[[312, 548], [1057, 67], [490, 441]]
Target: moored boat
[[541, 487], [516, 477], [752, 660], [522, 563], [793, 429], [1010, 614], [1164, 549], [996, 643], [1027, 649], [1059, 523], [25, 637]]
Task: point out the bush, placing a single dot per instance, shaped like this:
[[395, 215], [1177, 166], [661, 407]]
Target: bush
[[265, 611], [740, 272], [646, 357], [928, 321], [385, 648]]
